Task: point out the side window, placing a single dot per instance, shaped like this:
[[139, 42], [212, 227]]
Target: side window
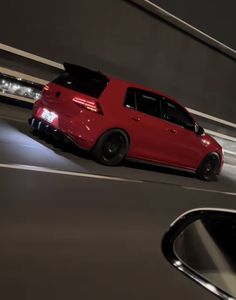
[[149, 103], [130, 99], [175, 114], [143, 101]]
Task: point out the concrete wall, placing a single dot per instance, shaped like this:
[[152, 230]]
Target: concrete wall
[[124, 40]]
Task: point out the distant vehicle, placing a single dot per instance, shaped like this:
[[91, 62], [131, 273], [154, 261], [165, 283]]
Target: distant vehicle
[[118, 120]]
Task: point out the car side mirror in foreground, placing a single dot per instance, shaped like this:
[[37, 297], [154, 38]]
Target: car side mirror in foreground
[[199, 130], [202, 244]]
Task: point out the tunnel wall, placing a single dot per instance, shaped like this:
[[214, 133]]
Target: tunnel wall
[[124, 40]]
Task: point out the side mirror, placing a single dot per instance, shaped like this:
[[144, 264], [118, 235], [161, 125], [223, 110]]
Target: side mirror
[[199, 130], [202, 244]]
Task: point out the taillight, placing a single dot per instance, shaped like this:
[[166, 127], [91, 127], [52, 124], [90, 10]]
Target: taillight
[[91, 105]]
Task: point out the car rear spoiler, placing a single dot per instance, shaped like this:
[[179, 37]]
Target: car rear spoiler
[[85, 72]]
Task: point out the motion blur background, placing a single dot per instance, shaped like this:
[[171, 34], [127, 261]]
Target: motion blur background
[[71, 228]]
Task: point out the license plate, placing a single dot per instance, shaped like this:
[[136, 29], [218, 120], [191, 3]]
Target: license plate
[[48, 116]]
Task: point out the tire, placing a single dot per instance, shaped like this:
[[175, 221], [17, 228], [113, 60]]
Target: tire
[[111, 148], [209, 167]]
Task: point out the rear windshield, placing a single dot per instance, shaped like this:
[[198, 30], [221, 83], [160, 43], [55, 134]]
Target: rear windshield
[[87, 83]]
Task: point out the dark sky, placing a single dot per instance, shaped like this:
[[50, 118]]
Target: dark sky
[[214, 17]]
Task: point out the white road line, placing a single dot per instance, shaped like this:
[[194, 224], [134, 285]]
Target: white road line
[[67, 173], [103, 177], [209, 190]]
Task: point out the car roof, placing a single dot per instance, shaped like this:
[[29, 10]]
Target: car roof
[[142, 87], [72, 68]]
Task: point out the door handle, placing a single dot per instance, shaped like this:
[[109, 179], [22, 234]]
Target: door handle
[[172, 130], [137, 119]]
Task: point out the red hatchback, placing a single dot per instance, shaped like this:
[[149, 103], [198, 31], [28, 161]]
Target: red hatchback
[[115, 119]]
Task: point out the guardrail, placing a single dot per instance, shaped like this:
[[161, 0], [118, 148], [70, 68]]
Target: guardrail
[[31, 56], [23, 76], [16, 97]]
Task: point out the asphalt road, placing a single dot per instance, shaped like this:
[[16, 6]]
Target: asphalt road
[[73, 229]]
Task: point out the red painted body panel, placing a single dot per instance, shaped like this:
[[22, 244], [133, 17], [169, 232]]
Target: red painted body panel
[[151, 138]]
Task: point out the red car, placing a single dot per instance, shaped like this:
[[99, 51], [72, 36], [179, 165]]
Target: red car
[[115, 119]]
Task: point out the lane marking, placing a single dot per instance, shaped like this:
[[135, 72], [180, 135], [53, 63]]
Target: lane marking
[[67, 173], [209, 190], [103, 177]]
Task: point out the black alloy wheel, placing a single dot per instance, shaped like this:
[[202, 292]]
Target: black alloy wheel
[[111, 148], [209, 167]]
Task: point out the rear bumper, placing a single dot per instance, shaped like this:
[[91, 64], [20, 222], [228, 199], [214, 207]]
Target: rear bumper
[[58, 135], [48, 130], [81, 128]]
